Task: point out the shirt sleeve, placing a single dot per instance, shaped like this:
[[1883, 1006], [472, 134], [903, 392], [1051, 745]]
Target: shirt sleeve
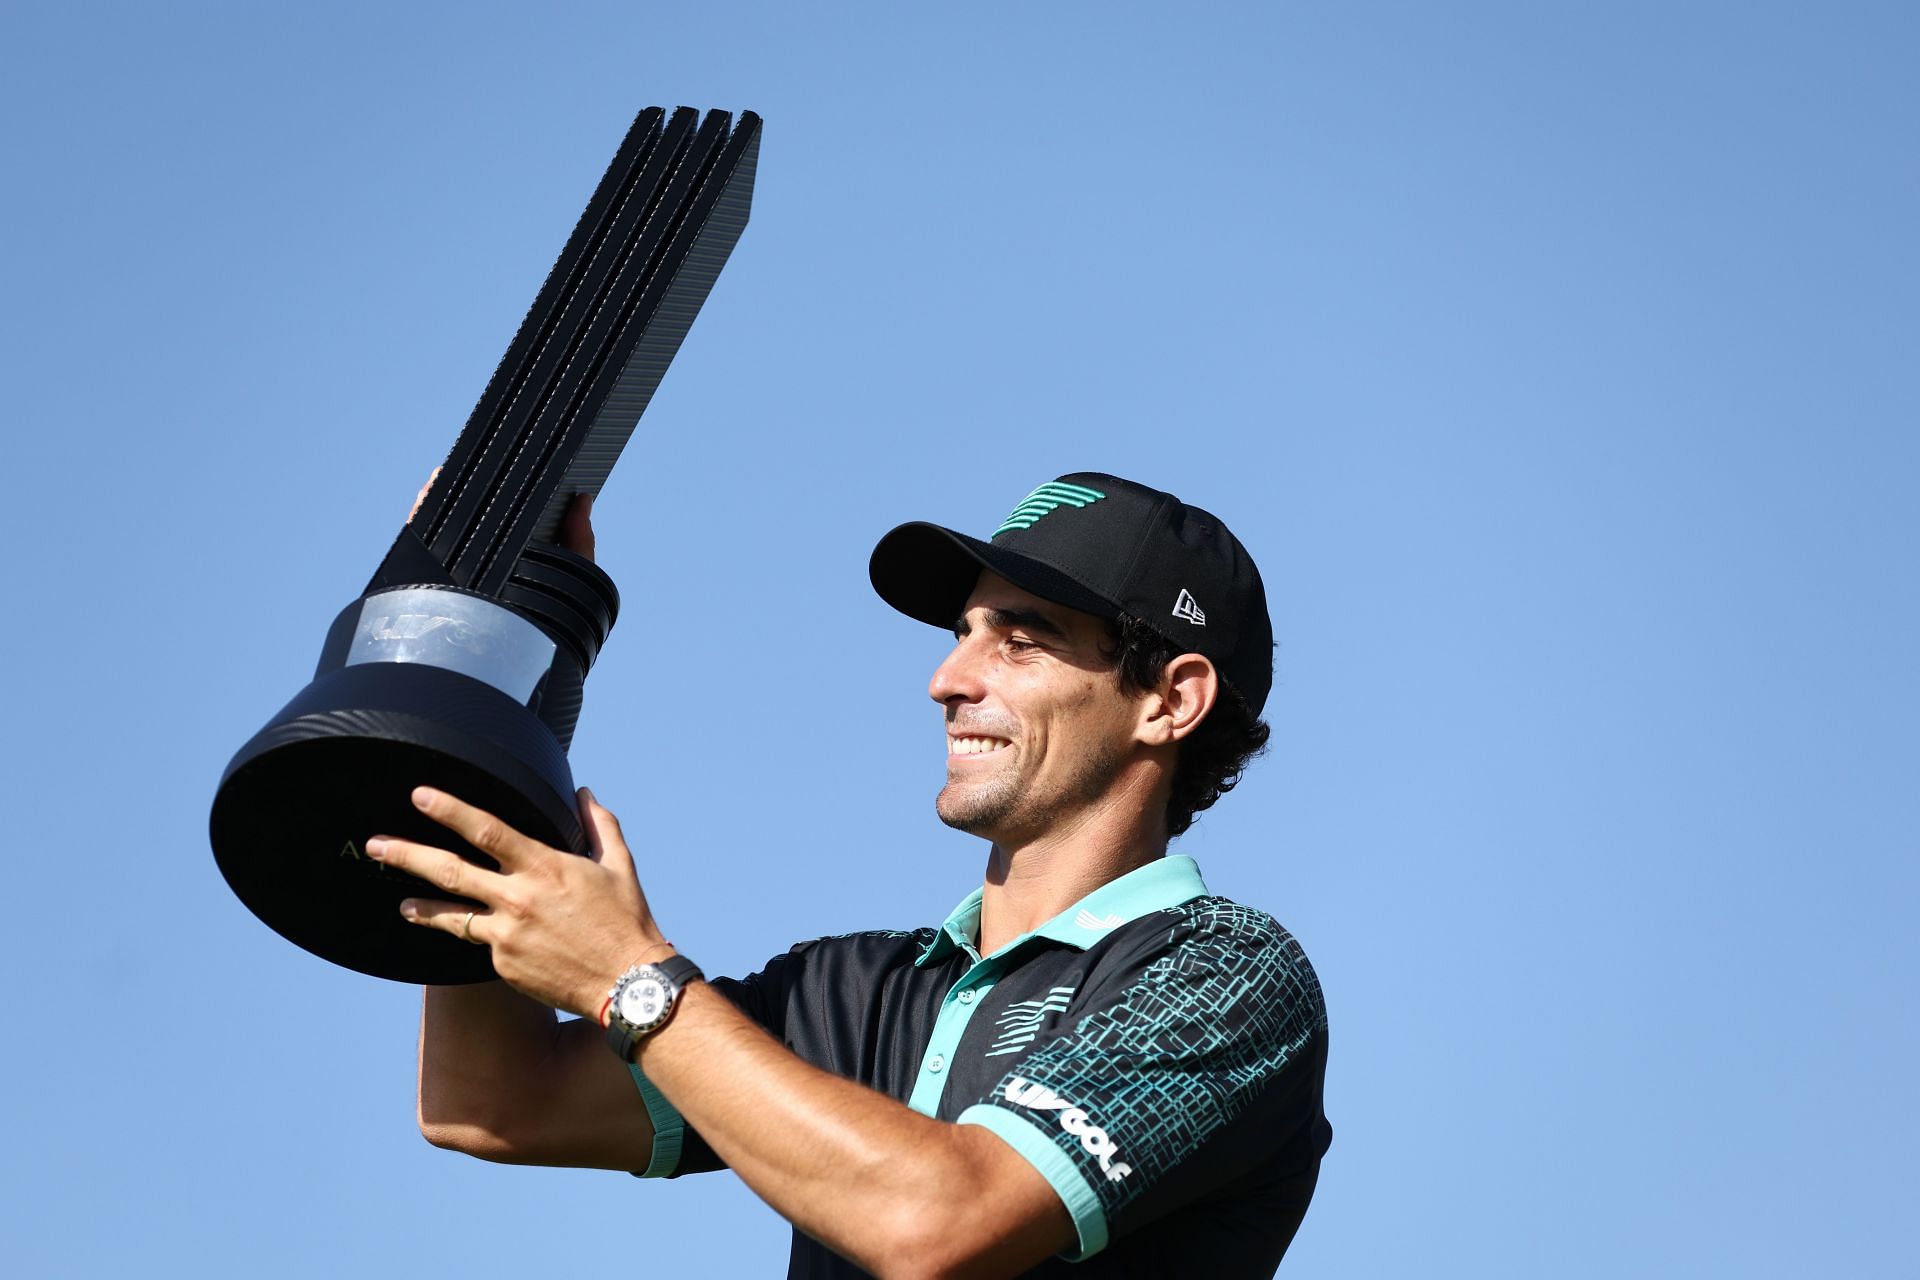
[[818, 1000], [677, 1148], [1202, 1059]]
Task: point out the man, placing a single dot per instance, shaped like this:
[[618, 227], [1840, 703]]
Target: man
[[1091, 1059]]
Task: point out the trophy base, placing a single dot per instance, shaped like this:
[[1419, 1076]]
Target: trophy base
[[339, 764]]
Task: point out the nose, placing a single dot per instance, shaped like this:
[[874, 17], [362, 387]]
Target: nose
[[959, 675]]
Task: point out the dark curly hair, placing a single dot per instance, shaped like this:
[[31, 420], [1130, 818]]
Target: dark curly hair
[[1213, 756]]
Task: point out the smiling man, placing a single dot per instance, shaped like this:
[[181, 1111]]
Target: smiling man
[[1091, 1061]]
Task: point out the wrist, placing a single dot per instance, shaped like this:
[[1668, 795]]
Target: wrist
[[643, 999], [651, 953]]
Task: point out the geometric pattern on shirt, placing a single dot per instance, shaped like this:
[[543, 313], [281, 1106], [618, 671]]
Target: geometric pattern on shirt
[[1196, 1038], [1021, 1022]]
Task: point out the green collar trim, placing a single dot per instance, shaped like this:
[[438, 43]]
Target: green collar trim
[[1163, 883]]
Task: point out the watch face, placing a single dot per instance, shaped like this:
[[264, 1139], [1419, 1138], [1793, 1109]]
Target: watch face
[[642, 1002]]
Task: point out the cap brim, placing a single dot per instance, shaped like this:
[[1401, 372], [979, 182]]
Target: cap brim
[[927, 572]]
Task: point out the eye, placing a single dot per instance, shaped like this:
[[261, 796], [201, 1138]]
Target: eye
[[1021, 645]]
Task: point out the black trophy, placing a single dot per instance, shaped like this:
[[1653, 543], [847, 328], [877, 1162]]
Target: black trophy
[[461, 665]]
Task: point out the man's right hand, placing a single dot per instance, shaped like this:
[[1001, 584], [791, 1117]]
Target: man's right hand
[[421, 496]]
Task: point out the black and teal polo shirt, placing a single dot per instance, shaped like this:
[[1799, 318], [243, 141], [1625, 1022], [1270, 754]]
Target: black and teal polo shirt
[[1155, 1052]]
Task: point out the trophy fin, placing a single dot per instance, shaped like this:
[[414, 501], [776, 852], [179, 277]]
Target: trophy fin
[[408, 563]]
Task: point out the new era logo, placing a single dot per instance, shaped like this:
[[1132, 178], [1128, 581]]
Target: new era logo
[[1188, 609]]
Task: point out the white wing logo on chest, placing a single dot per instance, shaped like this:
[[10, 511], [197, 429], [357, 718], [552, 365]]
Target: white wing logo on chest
[[1087, 920], [1021, 1022]]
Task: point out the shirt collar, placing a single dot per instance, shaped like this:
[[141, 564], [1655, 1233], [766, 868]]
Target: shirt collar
[[1163, 883]]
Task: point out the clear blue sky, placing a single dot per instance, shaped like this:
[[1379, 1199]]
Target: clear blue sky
[[1556, 361]]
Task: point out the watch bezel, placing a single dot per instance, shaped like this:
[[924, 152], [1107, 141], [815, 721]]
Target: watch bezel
[[673, 974], [634, 974]]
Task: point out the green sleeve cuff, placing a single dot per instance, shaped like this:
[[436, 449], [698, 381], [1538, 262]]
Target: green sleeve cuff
[[1036, 1146], [669, 1129]]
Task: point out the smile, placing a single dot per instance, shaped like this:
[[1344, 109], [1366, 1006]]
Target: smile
[[974, 746]]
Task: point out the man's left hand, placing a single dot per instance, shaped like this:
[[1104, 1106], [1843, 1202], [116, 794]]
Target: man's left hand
[[562, 927]]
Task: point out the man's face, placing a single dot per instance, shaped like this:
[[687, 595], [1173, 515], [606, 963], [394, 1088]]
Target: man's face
[[1037, 725]]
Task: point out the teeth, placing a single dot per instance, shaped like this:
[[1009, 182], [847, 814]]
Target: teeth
[[972, 746]]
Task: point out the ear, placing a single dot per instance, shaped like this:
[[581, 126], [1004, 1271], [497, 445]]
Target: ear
[[1188, 689]]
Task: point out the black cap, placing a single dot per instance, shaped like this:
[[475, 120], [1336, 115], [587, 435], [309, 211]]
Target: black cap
[[1104, 546]]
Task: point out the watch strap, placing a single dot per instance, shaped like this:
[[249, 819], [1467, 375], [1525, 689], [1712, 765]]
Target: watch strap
[[681, 970]]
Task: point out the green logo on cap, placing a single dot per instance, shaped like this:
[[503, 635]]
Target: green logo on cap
[[1050, 496]]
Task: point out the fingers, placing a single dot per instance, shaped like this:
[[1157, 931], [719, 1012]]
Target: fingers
[[443, 870], [576, 526], [456, 918], [605, 840], [421, 497], [479, 828]]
